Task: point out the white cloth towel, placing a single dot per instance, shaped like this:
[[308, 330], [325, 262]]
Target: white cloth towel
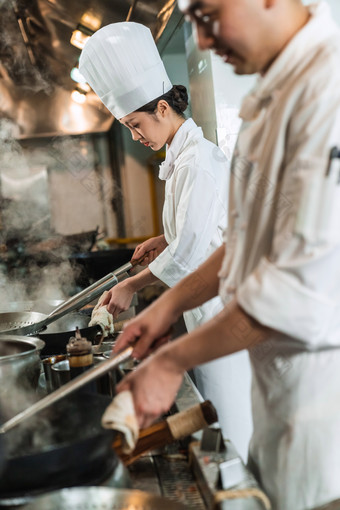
[[120, 415], [102, 317]]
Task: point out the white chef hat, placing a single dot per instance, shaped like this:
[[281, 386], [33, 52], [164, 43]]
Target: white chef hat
[[122, 65]]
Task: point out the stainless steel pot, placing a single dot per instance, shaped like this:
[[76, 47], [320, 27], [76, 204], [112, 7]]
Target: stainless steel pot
[[19, 364]]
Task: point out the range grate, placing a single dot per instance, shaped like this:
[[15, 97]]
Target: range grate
[[177, 481]]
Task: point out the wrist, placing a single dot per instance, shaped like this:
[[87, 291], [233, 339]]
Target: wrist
[[130, 284], [170, 360]]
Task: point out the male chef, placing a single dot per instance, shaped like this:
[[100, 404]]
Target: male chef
[[279, 270]]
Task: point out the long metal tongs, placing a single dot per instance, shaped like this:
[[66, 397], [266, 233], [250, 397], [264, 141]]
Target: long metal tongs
[[66, 389], [76, 302]]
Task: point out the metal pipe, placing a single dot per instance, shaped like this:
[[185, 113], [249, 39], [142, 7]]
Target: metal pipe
[[131, 10]]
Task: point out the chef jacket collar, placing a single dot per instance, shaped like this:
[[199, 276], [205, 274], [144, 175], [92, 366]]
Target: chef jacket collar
[[167, 167], [314, 33]]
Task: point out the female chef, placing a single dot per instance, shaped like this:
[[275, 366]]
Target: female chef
[[122, 65]]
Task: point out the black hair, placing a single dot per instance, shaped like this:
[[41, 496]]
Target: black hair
[[177, 99]]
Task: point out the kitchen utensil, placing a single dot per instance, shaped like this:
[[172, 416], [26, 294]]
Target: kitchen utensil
[[175, 427], [66, 389], [64, 446], [30, 323], [103, 498]]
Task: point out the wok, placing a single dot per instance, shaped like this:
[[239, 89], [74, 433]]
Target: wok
[[95, 264], [75, 451], [57, 335], [31, 323]]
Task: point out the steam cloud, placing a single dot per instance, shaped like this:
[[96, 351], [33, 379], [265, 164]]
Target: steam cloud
[[25, 223]]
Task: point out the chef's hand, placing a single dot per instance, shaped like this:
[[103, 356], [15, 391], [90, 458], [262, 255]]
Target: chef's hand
[[150, 329], [118, 299], [152, 247], [154, 386]]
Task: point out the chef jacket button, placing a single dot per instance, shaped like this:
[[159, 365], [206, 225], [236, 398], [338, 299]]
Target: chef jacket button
[[231, 289], [234, 213]]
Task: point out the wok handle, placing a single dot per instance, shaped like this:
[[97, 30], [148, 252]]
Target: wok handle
[[90, 293], [66, 389], [84, 297], [175, 427]]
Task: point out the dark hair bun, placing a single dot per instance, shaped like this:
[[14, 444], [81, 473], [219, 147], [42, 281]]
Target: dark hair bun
[[177, 98], [180, 98]]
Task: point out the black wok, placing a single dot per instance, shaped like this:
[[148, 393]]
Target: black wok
[[96, 264], [77, 451], [57, 334]]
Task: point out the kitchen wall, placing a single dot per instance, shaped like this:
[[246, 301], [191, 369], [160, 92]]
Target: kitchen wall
[[79, 183], [216, 94]]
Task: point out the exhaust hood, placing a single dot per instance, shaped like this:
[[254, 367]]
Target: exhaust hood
[[37, 93]]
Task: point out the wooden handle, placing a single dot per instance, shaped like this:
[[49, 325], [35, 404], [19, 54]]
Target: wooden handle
[[164, 432]]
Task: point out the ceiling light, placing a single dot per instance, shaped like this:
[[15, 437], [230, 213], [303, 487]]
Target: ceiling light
[[91, 20], [78, 97], [79, 38], [77, 76], [84, 88], [89, 23]]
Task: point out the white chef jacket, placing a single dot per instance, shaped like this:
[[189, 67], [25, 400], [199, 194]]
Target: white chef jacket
[[194, 219], [283, 264]]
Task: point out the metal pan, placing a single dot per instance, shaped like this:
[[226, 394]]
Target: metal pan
[[75, 451], [31, 323]]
